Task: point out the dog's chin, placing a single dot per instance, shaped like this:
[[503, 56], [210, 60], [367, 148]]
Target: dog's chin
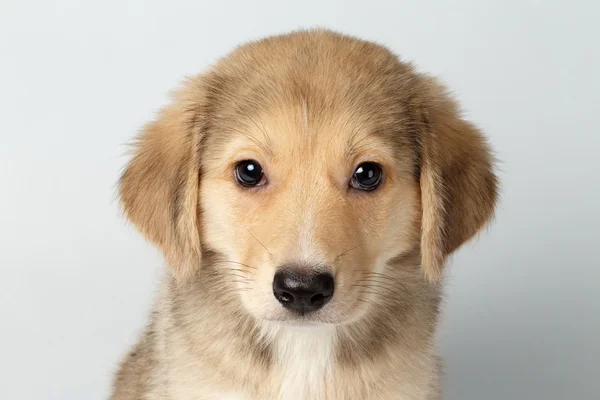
[[310, 319]]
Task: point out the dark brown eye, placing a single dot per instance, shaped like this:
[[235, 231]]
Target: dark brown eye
[[248, 173], [367, 176]]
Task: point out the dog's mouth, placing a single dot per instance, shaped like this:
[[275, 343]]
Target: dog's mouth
[[301, 321], [330, 314], [297, 319]]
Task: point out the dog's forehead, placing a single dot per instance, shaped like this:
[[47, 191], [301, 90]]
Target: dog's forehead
[[310, 93], [301, 129], [297, 131]]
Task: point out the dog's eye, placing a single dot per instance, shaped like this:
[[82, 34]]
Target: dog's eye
[[367, 176], [249, 173]]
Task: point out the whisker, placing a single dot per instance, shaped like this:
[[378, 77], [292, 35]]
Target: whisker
[[243, 271], [263, 130], [251, 138], [352, 142], [232, 291], [240, 276], [223, 283], [380, 274], [386, 278], [392, 283], [375, 287], [347, 251], [228, 261], [375, 281], [363, 291], [259, 242]]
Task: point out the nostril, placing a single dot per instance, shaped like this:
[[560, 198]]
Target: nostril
[[285, 297], [317, 300]]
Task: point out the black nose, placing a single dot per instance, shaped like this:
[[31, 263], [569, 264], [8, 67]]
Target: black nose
[[301, 291]]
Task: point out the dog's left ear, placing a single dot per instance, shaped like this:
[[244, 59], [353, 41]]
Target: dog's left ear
[[458, 184], [159, 187]]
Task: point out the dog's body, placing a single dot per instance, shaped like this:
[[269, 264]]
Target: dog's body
[[368, 179]]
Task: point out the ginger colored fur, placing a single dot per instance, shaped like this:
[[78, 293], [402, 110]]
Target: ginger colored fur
[[309, 107]]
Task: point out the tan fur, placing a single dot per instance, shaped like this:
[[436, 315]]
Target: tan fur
[[309, 106]]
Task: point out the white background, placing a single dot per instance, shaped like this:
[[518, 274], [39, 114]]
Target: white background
[[78, 78]]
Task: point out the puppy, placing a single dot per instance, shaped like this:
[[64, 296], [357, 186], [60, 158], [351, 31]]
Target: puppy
[[306, 192]]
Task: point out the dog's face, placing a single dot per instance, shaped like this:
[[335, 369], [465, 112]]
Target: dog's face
[[307, 206], [306, 164]]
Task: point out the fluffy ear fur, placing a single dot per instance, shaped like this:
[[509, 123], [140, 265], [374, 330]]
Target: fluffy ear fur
[[159, 187], [458, 184]]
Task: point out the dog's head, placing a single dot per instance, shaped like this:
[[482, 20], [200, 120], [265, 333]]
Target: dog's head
[[307, 165]]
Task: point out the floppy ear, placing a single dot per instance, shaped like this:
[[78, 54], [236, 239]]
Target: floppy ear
[[159, 187], [458, 184]]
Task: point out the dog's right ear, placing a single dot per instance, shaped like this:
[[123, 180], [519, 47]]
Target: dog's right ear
[[159, 187]]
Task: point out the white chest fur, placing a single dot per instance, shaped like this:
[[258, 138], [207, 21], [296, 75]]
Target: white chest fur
[[304, 360]]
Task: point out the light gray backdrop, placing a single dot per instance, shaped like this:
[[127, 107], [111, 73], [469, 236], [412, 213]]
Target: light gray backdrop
[[77, 78]]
